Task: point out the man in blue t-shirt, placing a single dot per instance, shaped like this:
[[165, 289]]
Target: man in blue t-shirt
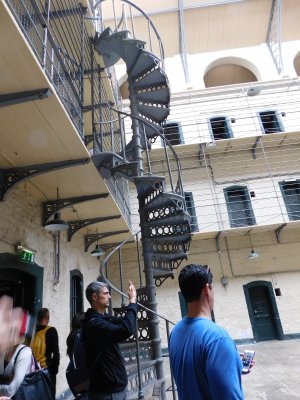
[[204, 359]]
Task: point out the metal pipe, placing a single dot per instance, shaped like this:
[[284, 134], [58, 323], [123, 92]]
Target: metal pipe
[[139, 259], [138, 362], [121, 276], [171, 372]]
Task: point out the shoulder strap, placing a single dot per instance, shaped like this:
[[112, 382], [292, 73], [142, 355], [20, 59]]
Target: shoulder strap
[[18, 354]]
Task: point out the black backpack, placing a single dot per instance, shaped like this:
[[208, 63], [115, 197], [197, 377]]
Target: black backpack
[[78, 373]]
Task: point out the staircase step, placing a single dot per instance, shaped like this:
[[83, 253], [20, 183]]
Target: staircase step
[[169, 256], [133, 49], [109, 163], [103, 46], [155, 94], [147, 61], [164, 200], [172, 220], [151, 130], [154, 77], [148, 183], [153, 112], [183, 238], [162, 273]]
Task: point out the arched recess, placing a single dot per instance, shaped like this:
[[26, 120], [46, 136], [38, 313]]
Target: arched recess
[[263, 312], [21, 280], [230, 71], [297, 63]]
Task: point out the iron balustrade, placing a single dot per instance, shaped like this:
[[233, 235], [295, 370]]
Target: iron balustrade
[[104, 276]]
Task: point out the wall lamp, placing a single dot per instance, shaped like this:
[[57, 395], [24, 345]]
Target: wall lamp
[[56, 224], [98, 251]]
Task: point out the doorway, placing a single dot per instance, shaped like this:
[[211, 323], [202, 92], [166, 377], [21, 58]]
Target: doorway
[[263, 312], [21, 280]]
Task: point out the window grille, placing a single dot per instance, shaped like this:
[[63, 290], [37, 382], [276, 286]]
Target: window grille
[[270, 122], [291, 196], [239, 206], [220, 128], [76, 292]]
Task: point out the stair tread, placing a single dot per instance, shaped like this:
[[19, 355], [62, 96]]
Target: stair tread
[[147, 61], [162, 273], [154, 113], [169, 256], [155, 77], [173, 219], [163, 199], [151, 132], [184, 237], [159, 95]]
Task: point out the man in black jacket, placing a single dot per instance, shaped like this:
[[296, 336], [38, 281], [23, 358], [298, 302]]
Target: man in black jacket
[[102, 333]]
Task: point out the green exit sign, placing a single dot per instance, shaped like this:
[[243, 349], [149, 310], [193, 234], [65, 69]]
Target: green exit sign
[[27, 256]]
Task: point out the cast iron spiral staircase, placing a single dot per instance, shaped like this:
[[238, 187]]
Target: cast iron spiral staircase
[[165, 223]]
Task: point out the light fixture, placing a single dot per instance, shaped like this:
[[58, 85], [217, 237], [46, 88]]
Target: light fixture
[[98, 251], [224, 281], [253, 255], [56, 224], [254, 90]]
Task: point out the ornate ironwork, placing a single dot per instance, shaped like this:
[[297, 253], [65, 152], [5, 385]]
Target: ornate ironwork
[[93, 237], [11, 176], [51, 206], [74, 226]]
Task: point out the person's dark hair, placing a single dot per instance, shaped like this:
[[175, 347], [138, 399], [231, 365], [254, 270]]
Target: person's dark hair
[[76, 325], [94, 287], [192, 280], [42, 314], [77, 320]]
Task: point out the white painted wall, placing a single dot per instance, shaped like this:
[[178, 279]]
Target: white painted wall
[[21, 221]]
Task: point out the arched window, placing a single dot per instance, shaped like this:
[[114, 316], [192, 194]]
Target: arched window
[[239, 206], [76, 292]]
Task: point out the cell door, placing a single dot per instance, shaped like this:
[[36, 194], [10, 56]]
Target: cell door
[[263, 311]]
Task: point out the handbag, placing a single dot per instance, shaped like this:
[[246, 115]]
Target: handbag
[[35, 385]]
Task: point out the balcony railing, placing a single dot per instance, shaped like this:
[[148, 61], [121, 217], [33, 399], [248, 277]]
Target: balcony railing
[[58, 36]]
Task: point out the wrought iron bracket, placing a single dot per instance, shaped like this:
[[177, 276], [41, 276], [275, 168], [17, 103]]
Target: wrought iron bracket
[[253, 150], [94, 237], [278, 232], [11, 176], [11, 99], [51, 206], [129, 170], [74, 226]]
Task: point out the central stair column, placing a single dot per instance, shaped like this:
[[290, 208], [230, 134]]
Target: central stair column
[[147, 251], [136, 137], [154, 321]]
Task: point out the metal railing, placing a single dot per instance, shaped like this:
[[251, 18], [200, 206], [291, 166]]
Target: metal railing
[[57, 33], [55, 36], [168, 323], [122, 14], [171, 157]]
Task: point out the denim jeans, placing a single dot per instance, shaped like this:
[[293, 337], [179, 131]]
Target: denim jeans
[[112, 396]]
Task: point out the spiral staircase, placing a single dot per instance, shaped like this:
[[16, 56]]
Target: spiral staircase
[[164, 221]]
